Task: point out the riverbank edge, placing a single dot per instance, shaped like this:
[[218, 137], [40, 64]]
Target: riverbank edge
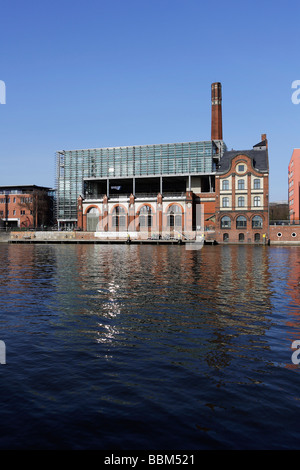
[[77, 237]]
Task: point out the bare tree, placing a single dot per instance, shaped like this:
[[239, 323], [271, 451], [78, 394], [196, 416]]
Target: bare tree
[[38, 203]]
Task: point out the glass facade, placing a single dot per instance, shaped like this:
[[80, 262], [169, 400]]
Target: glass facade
[[75, 166]]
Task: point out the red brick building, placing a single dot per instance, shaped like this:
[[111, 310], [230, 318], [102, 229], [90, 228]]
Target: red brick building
[[294, 186], [230, 187], [26, 206], [242, 196]]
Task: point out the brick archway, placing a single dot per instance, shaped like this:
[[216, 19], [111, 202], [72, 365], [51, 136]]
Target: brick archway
[[92, 206], [118, 220], [92, 218], [147, 221], [170, 219]]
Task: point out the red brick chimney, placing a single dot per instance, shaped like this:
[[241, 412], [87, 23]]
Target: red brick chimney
[[216, 111], [264, 137]]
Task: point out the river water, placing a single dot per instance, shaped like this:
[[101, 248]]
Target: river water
[[149, 347]]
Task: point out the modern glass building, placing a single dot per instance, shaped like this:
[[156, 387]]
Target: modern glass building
[[133, 170]]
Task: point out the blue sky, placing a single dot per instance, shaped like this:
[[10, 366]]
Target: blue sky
[[127, 72]]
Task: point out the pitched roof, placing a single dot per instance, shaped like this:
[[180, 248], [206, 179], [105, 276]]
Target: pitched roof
[[258, 157], [263, 143]]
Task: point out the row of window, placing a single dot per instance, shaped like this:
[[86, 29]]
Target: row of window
[[241, 222], [174, 216], [22, 200], [241, 184], [241, 201], [241, 237], [22, 212], [147, 221]]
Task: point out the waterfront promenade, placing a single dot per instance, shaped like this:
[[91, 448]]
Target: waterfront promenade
[[278, 235]]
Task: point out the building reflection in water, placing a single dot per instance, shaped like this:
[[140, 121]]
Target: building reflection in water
[[206, 308], [210, 305]]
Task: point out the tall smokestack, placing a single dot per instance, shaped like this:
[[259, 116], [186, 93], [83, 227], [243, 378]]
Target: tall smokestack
[[216, 111]]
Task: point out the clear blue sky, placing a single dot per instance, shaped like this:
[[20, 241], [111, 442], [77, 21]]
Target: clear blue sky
[[86, 74]]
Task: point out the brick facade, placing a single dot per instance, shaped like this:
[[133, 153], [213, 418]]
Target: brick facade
[[284, 234], [294, 186], [242, 214], [25, 206]]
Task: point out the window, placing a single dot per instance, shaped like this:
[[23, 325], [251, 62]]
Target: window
[[225, 202], [241, 201], [241, 237], [145, 217], [174, 216], [225, 237], [241, 222], [14, 212], [22, 212], [225, 185], [241, 168], [257, 221], [257, 237], [241, 184], [226, 222], [256, 184], [118, 217], [256, 201], [14, 199]]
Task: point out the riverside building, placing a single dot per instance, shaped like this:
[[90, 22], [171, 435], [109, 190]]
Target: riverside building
[[242, 195], [158, 189], [26, 206], [142, 187], [294, 187]]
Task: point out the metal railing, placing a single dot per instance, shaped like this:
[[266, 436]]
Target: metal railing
[[284, 222], [95, 196]]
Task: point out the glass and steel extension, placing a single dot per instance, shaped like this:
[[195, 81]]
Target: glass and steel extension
[[130, 170]]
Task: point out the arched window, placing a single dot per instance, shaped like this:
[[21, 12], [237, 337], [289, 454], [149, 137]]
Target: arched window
[[118, 217], [256, 184], [145, 217], [257, 221], [174, 216], [93, 210], [92, 219], [241, 222], [225, 237], [241, 184], [225, 185], [225, 202], [226, 222], [256, 201], [257, 237], [241, 201], [241, 237]]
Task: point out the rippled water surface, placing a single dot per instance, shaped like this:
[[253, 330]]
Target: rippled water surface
[[149, 347]]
